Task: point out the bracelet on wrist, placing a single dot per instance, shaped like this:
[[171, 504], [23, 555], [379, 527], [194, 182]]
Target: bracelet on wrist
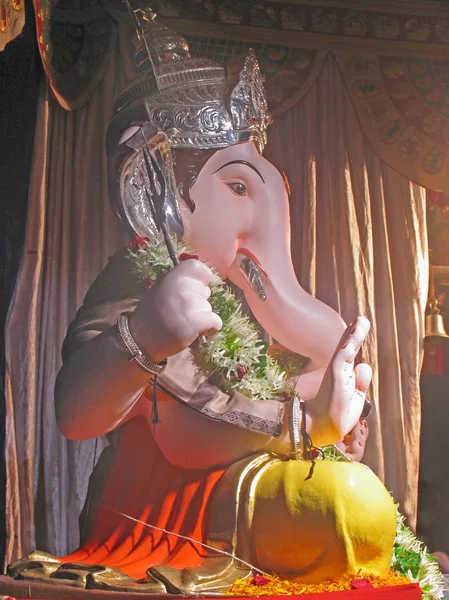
[[135, 354]]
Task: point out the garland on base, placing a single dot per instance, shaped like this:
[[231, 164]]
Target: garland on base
[[273, 585], [412, 559], [240, 359], [411, 563]]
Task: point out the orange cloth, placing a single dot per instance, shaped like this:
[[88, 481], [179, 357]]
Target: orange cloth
[[145, 486]]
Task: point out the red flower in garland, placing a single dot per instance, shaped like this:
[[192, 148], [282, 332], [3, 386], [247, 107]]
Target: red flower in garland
[[138, 243], [241, 372], [185, 256]]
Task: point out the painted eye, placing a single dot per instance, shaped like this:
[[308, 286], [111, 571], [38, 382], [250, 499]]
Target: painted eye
[[238, 187]]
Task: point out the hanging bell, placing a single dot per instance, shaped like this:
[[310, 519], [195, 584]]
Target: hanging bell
[[434, 326]]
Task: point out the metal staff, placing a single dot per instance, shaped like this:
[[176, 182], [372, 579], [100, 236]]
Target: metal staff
[[156, 197]]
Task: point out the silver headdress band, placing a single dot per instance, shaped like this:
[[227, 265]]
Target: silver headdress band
[[189, 99]]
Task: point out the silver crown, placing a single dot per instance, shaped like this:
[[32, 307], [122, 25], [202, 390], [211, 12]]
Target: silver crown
[[189, 98], [191, 107]]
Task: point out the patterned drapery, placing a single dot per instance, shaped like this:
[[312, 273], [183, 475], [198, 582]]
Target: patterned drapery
[[75, 40], [403, 107], [12, 20], [394, 62]]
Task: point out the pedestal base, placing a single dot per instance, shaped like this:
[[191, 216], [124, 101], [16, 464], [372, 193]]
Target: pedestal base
[[21, 590]]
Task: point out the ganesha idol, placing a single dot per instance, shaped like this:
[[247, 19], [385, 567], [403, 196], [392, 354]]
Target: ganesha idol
[[212, 472]]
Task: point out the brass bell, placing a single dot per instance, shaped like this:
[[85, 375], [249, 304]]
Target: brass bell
[[434, 326], [434, 323]]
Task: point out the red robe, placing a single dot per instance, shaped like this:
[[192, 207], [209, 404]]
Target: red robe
[[144, 485]]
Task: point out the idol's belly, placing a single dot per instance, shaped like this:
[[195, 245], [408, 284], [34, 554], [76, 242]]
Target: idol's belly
[[191, 440]]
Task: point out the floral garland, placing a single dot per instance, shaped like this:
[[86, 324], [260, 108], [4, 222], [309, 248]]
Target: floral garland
[[411, 558], [411, 562], [274, 585], [240, 359], [236, 355]]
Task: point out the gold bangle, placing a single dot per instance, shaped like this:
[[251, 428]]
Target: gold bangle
[[135, 353]]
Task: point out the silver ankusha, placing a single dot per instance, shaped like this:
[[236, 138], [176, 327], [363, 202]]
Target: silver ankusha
[[134, 186]]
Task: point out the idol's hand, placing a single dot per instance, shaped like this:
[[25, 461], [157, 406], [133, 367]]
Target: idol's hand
[[354, 442], [175, 311], [333, 413]]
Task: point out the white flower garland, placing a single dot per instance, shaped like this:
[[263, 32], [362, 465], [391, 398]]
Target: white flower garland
[[235, 355], [411, 558]]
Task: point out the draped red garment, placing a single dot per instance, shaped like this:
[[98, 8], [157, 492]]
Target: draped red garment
[[144, 485]]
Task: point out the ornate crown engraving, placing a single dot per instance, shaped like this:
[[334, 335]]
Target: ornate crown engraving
[[249, 109], [188, 98]]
